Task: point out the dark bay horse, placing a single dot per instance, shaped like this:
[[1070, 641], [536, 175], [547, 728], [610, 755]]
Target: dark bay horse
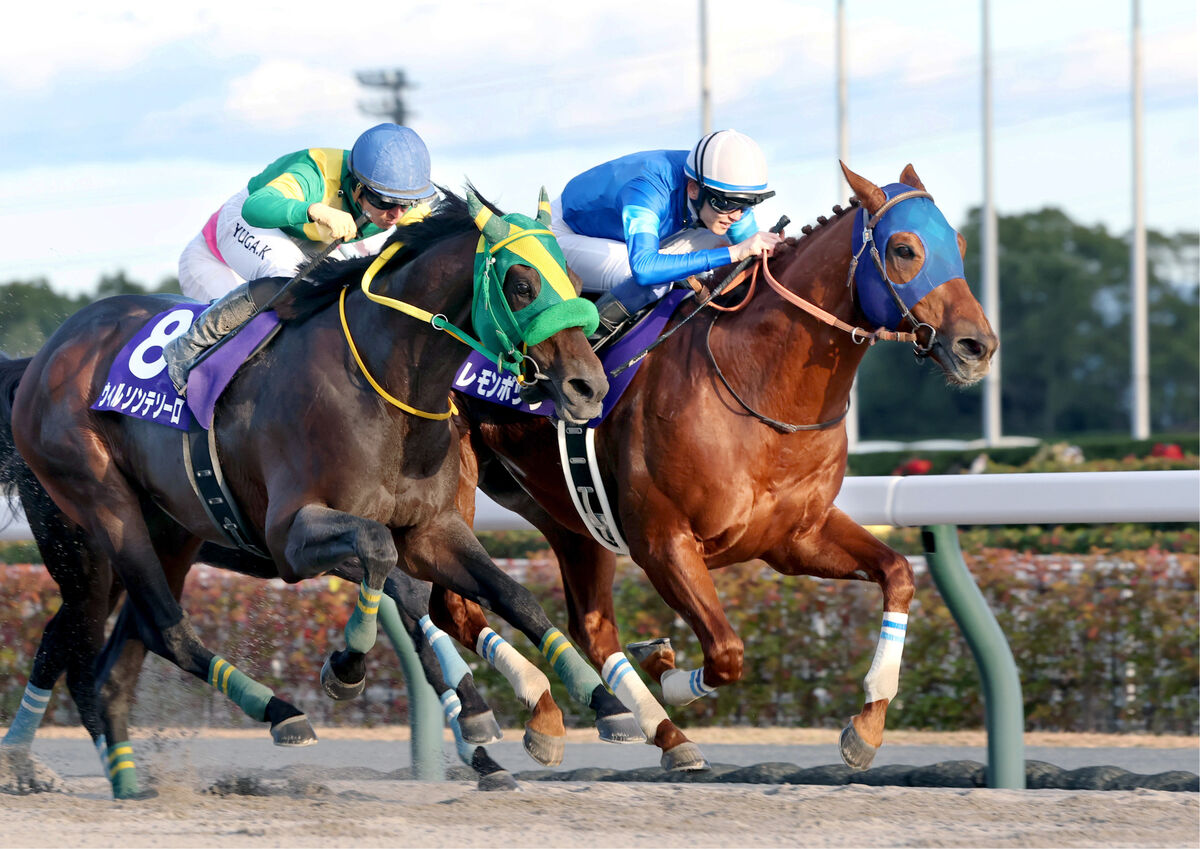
[[728, 446], [332, 470]]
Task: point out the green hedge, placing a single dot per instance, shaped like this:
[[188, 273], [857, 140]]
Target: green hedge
[[1103, 642]]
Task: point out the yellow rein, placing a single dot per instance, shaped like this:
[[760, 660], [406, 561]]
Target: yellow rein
[[401, 306]]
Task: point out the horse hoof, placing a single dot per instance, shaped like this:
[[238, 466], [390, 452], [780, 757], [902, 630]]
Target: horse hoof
[[619, 728], [293, 731], [856, 752], [640, 651], [686, 757], [339, 690], [501, 780], [546, 750], [480, 729]]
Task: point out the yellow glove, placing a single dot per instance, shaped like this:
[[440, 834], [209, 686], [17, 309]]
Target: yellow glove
[[332, 223]]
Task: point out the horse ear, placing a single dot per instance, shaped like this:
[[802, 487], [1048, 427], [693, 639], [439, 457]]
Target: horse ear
[[869, 195], [909, 178], [543, 215], [493, 228], [962, 245]]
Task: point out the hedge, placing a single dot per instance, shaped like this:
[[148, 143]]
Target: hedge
[[1103, 641]]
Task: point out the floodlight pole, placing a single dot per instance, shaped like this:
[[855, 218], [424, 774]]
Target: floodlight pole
[[1138, 311], [843, 188], [990, 259]]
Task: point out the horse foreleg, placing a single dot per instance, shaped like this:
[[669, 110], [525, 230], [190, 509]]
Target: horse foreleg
[[840, 548], [545, 733], [470, 718], [320, 540], [446, 552]]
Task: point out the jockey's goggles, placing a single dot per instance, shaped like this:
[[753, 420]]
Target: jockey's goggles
[[385, 204], [731, 203]]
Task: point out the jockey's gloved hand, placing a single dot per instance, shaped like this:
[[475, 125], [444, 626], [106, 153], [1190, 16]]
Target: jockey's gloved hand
[[333, 223], [762, 242]]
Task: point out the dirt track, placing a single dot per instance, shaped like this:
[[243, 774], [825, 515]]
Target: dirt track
[[308, 807]]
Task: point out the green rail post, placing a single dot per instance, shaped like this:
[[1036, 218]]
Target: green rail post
[[424, 706], [1003, 709]]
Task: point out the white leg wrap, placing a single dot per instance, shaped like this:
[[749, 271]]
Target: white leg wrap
[[681, 687], [883, 678], [622, 679], [528, 682]]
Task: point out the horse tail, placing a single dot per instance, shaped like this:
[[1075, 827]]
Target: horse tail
[[13, 470]]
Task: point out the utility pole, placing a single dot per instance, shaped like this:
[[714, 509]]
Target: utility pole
[[390, 104], [705, 89]]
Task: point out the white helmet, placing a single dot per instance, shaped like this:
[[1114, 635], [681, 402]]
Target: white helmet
[[730, 164]]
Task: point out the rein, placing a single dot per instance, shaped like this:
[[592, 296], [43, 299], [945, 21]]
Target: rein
[[437, 322]]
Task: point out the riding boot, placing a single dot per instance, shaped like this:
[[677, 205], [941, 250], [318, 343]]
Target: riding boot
[[613, 317], [223, 315]]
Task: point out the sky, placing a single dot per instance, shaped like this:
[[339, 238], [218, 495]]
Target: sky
[[127, 123]]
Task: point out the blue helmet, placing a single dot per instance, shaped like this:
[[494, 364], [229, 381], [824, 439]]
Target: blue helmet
[[393, 162]]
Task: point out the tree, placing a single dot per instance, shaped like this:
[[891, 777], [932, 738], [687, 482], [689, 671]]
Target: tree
[[1064, 309], [29, 313]]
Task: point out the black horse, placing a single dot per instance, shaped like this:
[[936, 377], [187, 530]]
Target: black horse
[[330, 477]]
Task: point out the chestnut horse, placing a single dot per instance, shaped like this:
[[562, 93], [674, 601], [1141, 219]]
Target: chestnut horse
[[728, 445], [330, 477]]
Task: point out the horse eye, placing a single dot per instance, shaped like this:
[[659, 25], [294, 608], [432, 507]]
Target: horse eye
[[524, 289], [905, 252]]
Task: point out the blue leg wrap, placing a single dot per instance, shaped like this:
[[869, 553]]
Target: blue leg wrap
[[452, 707], [28, 718], [454, 668]]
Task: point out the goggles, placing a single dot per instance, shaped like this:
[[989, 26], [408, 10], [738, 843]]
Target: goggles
[[385, 204], [724, 204]]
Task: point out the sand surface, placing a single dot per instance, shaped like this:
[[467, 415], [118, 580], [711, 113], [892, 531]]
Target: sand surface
[[312, 808]]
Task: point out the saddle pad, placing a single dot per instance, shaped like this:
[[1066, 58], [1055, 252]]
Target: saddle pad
[[138, 385], [479, 377]]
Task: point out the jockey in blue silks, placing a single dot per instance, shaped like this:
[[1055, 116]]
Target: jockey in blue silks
[[633, 226]]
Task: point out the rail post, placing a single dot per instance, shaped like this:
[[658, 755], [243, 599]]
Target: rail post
[[1004, 711], [424, 708]]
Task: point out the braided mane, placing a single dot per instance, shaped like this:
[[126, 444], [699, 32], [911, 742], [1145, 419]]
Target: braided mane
[[792, 243]]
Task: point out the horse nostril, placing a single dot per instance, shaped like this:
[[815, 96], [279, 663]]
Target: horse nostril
[[969, 349], [582, 389]]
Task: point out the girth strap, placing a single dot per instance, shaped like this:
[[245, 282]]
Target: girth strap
[[204, 474]]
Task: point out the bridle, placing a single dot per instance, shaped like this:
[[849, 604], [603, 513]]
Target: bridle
[[922, 349], [857, 334]]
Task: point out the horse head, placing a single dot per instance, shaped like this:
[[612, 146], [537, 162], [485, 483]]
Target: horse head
[[914, 276], [527, 308]]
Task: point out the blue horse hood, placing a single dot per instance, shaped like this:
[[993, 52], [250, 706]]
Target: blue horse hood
[[943, 262]]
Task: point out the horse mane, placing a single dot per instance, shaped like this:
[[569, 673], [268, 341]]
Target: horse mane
[[322, 285], [791, 244]]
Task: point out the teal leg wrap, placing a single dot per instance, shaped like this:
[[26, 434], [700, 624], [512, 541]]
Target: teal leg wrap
[[569, 666], [363, 627], [28, 718], [454, 668], [122, 774], [241, 689]]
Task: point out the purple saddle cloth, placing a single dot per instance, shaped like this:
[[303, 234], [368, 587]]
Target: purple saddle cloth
[[479, 377], [138, 385]]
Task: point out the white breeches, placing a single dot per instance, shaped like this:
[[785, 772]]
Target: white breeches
[[604, 263], [249, 253]]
